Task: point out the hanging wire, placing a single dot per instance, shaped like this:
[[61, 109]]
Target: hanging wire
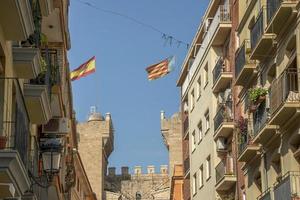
[[167, 37]]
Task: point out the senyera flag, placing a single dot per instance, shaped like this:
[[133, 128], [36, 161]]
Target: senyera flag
[[83, 70], [160, 69]]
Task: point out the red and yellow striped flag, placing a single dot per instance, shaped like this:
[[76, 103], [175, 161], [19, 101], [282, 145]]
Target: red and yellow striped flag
[[160, 69], [83, 70]]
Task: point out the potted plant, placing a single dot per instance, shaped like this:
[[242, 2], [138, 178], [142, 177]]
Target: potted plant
[[257, 95], [3, 140]]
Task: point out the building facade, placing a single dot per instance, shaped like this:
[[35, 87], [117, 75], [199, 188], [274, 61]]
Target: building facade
[[207, 106], [36, 109], [96, 137], [267, 75], [240, 102], [138, 186]]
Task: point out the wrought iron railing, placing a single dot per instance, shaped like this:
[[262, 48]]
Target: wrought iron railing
[[225, 167], [224, 114], [36, 37], [242, 57], [282, 87], [218, 69], [258, 29], [260, 117], [288, 187], [273, 6], [17, 129], [265, 195], [244, 136]]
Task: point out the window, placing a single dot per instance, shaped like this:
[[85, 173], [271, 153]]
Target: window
[[208, 167], [201, 176], [193, 141], [200, 132], [205, 75], [206, 121], [192, 99], [199, 87], [194, 186]]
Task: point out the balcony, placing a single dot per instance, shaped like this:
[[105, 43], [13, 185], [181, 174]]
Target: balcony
[[15, 159], [284, 97], [265, 195], [262, 130], [223, 121], [247, 149], [280, 12], [288, 187], [27, 62], [222, 21], [221, 76], [225, 175], [37, 102], [20, 24], [244, 67], [261, 42], [210, 35]]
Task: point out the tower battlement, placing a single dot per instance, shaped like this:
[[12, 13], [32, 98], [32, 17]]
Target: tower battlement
[[138, 170]]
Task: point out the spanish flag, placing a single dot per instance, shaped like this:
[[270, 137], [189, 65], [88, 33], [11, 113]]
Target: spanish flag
[[83, 70], [160, 69]]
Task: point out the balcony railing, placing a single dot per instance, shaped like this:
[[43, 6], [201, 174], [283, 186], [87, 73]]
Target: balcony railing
[[242, 57], [244, 137], [224, 114], [265, 195], [258, 29], [50, 74], [260, 118], [222, 15], [17, 130], [273, 6], [288, 187], [225, 167], [282, 87], [35, 39], [218, 69], [186, 165]]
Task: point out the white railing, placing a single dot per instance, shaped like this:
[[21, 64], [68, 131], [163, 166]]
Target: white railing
[[219, 17]]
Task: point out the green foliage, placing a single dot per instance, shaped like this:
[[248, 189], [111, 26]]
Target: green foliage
[[43, 65], [255, 93]]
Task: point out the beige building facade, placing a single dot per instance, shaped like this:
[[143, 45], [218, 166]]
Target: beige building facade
[[96, 137], [267, 74], [206, 97]]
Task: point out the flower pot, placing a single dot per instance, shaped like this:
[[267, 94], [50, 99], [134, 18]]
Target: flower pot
[[260, 99], [252, 108], [3, 140]]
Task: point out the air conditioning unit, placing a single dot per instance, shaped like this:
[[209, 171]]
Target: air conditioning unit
[[222, 144], [57, 126]]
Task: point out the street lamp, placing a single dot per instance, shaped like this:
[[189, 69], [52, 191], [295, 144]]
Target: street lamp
[[51, 154]]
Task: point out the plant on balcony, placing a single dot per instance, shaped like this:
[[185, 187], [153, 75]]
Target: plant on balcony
[[243, 129], [3, 140], [257, 95]]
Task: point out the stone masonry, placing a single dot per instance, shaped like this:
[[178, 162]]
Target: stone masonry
[[137, 186], [95, 146]]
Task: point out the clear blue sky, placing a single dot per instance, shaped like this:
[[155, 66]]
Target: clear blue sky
[[123, 50]]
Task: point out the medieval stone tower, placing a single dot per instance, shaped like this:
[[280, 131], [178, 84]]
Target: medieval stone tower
[[96, 137], [172, 136]]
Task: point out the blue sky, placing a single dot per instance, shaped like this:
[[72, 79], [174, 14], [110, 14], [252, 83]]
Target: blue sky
[[123, 50]]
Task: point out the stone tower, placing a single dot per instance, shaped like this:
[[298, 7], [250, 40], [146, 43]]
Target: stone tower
[[171, 130], [96, 137]]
